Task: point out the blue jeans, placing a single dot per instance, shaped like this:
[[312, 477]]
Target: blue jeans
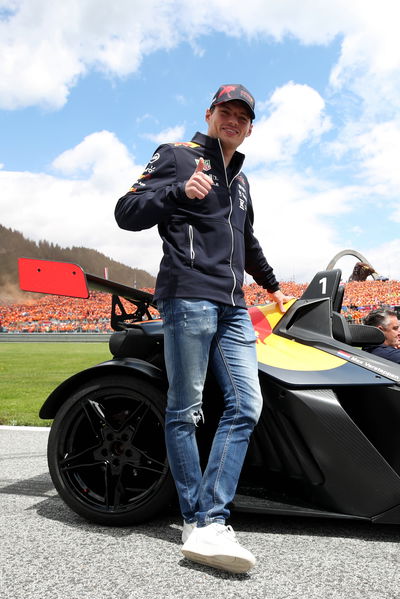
[[198, 333]]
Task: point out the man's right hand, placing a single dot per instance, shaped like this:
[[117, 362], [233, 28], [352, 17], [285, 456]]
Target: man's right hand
[[199, 183]]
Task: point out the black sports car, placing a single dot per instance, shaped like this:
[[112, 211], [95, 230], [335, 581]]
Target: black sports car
[[327, 443]]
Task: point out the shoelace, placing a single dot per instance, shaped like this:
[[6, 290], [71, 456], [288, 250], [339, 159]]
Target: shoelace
[[228, 531]]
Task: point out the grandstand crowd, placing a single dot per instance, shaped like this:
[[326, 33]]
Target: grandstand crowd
[[70, 315]]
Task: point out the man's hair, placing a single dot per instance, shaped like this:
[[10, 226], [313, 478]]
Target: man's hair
[[379, 318]]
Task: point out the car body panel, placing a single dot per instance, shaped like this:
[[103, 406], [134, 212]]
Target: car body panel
[[326, 444]]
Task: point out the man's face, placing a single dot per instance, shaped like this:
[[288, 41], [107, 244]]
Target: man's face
[[230, 122], [392, 332]]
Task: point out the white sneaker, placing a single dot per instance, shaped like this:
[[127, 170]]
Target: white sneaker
[[216, 545], [188, 528]]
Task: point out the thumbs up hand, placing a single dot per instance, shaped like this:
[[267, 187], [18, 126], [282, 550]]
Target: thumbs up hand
[[199, 183]]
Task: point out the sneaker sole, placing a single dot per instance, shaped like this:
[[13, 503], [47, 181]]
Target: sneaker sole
[[230, 563]]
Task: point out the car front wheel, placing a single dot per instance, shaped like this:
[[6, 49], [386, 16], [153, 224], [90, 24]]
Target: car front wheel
[[106, 451]]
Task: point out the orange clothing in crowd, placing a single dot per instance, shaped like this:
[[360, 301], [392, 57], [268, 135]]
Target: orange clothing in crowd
[[65, 314]]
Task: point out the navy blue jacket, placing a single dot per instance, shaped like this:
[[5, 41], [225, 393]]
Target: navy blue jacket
[[208, 243], [385, 351]]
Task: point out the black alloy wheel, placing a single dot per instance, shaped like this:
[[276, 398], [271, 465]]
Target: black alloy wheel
[[106, 451]]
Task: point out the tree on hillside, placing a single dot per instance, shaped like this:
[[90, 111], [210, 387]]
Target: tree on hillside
[[14, 245]]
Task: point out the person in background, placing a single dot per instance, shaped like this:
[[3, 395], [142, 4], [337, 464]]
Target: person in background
[[386, 320], [199, 197]]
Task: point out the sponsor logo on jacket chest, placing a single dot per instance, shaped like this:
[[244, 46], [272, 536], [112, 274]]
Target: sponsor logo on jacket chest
[[207, 164], [207, 167]]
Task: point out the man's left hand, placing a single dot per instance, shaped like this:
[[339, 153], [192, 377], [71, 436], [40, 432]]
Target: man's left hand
[[280, 298]]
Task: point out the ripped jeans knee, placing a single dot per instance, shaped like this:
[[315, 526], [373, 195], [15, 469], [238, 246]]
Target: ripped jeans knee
[[197, 417], [193, 415]]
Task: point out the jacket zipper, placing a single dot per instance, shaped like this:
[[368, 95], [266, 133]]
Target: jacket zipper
[[191, 247], [230, 224]]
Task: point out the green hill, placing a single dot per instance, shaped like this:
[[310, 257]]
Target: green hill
[[14, 245]]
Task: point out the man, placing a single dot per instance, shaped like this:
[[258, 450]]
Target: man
[[198, 196], [387, 321]]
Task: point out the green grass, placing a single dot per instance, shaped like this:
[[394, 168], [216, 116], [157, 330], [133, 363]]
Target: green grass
[[30, 371]]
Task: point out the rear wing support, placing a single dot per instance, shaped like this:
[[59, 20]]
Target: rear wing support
[[70, 280]]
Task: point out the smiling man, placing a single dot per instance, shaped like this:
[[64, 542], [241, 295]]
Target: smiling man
[[199, 197]]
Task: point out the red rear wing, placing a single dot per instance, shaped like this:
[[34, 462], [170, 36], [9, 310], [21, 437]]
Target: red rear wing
[[58, 278], [65, 278]]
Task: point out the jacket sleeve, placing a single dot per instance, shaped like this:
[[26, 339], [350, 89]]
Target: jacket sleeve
[[255, 262], [154, 196]]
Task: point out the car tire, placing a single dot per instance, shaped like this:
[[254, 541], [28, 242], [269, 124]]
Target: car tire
[[106, 451]]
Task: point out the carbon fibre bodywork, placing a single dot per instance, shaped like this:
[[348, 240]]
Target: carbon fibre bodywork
[[326, 444]]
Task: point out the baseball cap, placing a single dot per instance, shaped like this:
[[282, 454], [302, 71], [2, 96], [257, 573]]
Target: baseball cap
[[234, 91]]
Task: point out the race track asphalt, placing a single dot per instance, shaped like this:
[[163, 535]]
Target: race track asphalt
[[49, 552]]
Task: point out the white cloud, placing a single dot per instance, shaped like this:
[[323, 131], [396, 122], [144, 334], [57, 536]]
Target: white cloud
[[76, 208], [370, 58], [294, 220], [308, 21], [167, 135], [101, 156], [372, 150], [47, 46], [385, 259], [79, 210], [379, 150], [356, 229], [294, 213], [145, 117], [297, 115]]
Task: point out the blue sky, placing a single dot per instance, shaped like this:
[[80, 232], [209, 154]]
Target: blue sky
[[89, 88]]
